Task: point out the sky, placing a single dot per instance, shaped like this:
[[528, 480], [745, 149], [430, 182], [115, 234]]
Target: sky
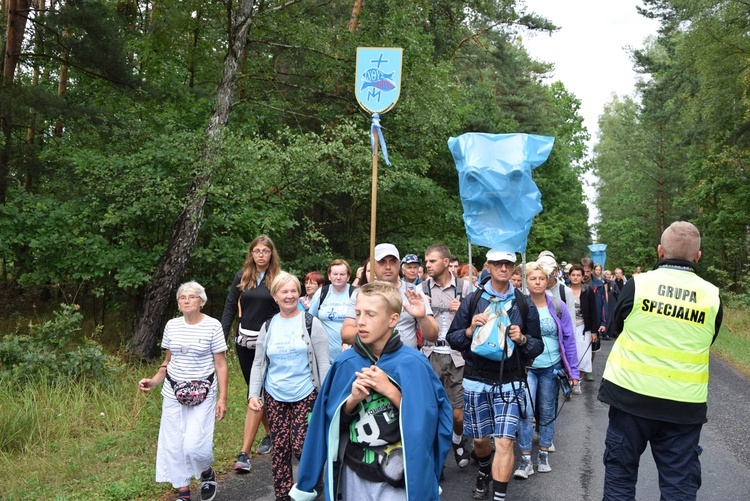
[[590, 52]]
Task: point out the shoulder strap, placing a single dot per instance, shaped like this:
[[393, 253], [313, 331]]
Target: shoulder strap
[[351, 289], [308, 323], [523, 308], [426, 288], [477, 294], [459, 288], [323, 294], [562, 293], [558, 310]]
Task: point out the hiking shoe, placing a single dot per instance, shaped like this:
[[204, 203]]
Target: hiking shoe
[[589, 376], [265, 445], [482, 489], [243, 463], [208, 486], [543, 465], [551, 447], [576, 389], [461, 453], [525, 468]]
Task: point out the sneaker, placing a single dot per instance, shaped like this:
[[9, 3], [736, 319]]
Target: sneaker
[[482, 489], [551, 448], [588, 376], [265, 445], [576, 389], [543, 465], [243, 463], [461, 453], [525, 468], [208, 486]]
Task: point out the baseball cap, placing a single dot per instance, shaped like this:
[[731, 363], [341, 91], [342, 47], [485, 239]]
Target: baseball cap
[[411, 258], [548, 263], [501, 255], [383, 250], [545, 253]]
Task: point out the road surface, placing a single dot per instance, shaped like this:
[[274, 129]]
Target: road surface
[[577, 470]]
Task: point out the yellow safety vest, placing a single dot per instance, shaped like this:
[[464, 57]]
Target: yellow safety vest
[[663, 350]]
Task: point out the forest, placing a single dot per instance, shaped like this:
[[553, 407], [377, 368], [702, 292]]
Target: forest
[[679, 148], [146, 143]]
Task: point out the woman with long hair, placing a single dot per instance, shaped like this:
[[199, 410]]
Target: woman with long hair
[[250, 299], [586, 323]]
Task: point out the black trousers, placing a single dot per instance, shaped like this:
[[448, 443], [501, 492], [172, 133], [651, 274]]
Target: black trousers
[[674, 447]]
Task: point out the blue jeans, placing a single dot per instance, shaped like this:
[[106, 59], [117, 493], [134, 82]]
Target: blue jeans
[[542, 391], [674, 447]]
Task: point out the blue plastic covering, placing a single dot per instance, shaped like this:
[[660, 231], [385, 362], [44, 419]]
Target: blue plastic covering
[[494, 178], [598, 253]]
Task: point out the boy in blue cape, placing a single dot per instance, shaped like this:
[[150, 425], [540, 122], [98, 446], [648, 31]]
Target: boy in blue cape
[[382, 422]]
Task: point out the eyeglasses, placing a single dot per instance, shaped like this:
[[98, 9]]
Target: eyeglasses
[[261, 252], [500, 264], [188, 298]]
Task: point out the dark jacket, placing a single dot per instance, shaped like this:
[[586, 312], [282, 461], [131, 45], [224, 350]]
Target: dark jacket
[[482, 369]]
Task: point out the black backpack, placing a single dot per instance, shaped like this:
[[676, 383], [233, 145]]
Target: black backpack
[[308, 324]]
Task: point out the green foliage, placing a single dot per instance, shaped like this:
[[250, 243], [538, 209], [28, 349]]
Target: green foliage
[[682, 152], [51, 350]]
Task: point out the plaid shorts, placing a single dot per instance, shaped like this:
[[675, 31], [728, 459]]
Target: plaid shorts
[[494, 411]]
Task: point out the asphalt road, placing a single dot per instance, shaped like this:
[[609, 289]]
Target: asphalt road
[[577, 470]]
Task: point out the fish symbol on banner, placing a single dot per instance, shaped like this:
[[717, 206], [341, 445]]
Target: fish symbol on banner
[[378, 79]]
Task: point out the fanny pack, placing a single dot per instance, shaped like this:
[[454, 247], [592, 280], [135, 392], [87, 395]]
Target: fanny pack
[[562, 381], [247, 338], [193, 392]]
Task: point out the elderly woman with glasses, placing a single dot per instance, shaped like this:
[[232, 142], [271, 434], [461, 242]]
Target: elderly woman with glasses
[[313, 282], [195, 350], [250, 299]]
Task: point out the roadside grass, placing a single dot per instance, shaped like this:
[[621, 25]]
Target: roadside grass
[[97, 441], [733, 343]]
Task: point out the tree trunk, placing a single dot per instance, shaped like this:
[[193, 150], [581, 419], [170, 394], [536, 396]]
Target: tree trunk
[[354, 20], [17, 15], [152, 313]]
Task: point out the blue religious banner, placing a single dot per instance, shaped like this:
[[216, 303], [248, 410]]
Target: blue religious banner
[[377, 83], [598, 253], [498, 195]]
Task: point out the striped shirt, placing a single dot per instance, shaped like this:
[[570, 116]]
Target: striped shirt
[[192, 348]]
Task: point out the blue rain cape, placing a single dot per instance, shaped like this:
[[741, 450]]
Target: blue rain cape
[[494, 178], [598, 253]]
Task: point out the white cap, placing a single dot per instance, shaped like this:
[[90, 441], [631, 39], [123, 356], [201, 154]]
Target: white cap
[[501, 255], [548, 263], [383, 250]]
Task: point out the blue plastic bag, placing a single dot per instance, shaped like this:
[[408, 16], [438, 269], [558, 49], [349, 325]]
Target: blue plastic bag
[[498, 195]]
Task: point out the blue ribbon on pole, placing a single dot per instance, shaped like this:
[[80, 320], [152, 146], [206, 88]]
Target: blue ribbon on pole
[[375, 129]]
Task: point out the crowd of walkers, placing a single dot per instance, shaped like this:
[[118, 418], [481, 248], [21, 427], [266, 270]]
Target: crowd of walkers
[[338, 350]]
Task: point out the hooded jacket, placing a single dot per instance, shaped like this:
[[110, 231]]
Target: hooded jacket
[[425, 421]]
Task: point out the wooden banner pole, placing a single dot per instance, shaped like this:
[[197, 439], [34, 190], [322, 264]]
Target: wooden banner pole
[[373, 207]]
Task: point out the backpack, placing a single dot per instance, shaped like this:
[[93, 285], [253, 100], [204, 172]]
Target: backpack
[[491, 347], [523, 308], [459, 288], [326, 288], [562, 292], [308, 324]]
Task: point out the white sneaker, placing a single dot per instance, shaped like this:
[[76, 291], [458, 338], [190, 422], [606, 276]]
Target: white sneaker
[[525, 468], [543, 465], [551, 448], [577, 389]]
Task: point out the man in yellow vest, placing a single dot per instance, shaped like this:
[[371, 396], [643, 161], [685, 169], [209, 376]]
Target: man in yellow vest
[[656, 377]]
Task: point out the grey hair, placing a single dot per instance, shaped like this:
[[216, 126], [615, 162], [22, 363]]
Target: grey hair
[[536, 266], [192, 286]]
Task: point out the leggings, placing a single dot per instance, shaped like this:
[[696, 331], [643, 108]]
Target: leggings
[[288, 423]]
